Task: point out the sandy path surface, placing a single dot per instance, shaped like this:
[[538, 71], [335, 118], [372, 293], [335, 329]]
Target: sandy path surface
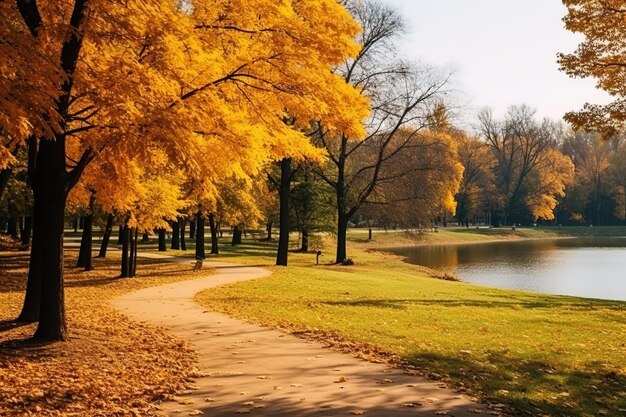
[[248, 369]]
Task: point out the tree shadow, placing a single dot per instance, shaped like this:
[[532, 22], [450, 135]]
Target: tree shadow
[[6, 325], [530, 387], [522, 301]]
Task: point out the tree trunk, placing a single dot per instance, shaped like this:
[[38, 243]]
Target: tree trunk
[[51, 184], [27, 231], [183, 243], [125, 239], [305, 240], [5, 175], [342, 230], [283, 192], [175, 235], [236, 240], [200, 254], [12, 227], [108, 229], [162, 244], [192, 229], [75, 224], [270, 223], [120, 239], [214, 246], [145, 237], [369, 233], [86, 244], [50, 188], [32, 301], [133, 251]]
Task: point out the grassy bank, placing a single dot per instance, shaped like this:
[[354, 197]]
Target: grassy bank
[[540, 354]]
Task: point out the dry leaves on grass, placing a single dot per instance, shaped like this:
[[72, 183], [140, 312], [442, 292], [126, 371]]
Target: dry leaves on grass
[[109, 367]]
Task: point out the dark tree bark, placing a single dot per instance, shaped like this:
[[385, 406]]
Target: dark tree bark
[[305, 240], [86, 241], [108, 229], [86, 244], [236, 240], [284, 194], [50, 194], [145, 237], [133, 251], [75, 224], [120, 240], [268, 228], [32, 301], [125, 238], [175, 235], [5, 175], [369, 233], [162, 243], [192, 229], [27, 230], [200, 254], [12, 227], [342, 230], [214, 244], [183, 244]]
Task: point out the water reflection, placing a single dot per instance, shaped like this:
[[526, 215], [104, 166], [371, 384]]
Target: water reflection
[[594, 267]]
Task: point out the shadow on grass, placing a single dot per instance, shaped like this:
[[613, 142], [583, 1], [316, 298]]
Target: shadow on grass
[[531, 387], [520, 301]]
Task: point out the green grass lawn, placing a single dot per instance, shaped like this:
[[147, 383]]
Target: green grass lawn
[[540, 354]]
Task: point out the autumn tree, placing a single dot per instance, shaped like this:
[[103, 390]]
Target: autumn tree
[[530, 172], [197, 80], [421, 183], [592, 159], [477, 184], [601, 56], [402, 96]]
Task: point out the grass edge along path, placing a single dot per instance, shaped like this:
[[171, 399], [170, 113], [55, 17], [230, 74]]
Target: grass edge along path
[[538, 354]]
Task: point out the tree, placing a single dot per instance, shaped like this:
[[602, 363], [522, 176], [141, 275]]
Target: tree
[[194, 81], [592, 159], [477, 185], [600, 56], [421, 183], [525, 175], [313, 205], [401, 95]]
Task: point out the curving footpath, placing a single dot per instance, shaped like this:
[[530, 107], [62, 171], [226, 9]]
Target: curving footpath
[[249, 369]]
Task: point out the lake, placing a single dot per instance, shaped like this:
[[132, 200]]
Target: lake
[[585, 267]]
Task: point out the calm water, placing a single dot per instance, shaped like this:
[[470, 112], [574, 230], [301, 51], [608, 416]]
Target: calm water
[[593, 268]]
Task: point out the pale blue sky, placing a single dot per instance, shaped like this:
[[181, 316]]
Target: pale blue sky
[[503, 52]]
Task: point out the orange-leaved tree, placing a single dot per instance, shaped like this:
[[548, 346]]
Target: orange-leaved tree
[[208, 84], [601, 56]]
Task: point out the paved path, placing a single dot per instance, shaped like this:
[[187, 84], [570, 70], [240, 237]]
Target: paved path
[[248, 369]]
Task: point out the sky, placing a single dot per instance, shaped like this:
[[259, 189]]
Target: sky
[[502, 52]]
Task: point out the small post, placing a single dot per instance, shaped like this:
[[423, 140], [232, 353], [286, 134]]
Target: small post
[[317, 257]]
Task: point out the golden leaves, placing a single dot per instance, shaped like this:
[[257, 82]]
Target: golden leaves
[[110, 366], [601, 56]]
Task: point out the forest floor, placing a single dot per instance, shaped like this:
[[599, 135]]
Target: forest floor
[[110, 365]]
